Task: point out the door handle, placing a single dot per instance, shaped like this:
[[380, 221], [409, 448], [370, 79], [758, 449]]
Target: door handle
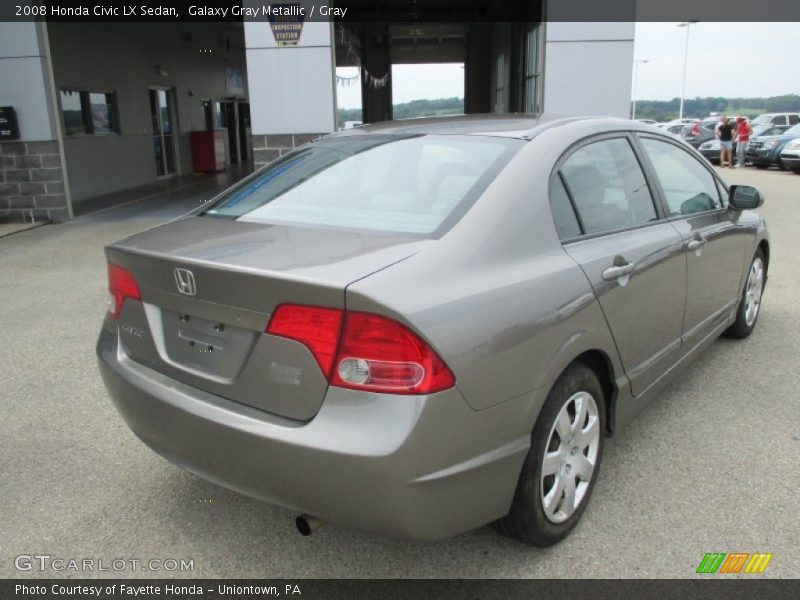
[[617, 271], [696, 243]]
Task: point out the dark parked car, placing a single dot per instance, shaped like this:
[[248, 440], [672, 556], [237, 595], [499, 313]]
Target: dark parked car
[[764, 151], [701, 132], [711, 148], [420, 327]]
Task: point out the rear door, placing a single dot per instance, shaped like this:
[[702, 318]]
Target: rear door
[[631, 255], [713, 243]]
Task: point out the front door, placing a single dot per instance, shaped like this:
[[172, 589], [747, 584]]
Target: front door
[[714, 251], [162, 115], [630, 254]]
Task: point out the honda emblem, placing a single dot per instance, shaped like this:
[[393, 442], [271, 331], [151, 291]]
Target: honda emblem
[[184, 279]]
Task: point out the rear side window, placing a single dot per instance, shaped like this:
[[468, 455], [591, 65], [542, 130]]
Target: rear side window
[[688, 186], [779, 120], [563, 215], [607, 186], [392, 183], [794, 119]]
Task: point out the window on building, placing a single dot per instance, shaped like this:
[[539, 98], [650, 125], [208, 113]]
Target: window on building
[[532, 70], [89, 113], [500, 84]]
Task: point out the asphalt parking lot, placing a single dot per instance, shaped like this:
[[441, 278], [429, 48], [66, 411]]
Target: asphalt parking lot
[[711, 466]]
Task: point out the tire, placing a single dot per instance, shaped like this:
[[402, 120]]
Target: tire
[[762, 167], [796, 170], [531, 518], [750, 302]]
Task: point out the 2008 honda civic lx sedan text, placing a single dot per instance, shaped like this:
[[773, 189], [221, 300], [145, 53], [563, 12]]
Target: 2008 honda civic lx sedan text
[[420, 327]]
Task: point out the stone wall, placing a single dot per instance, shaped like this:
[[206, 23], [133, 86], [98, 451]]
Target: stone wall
[[32, 182], [267, 148]]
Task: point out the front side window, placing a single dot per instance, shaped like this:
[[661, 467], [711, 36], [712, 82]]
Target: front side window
[[688, 186], [608, 187], [89, 113], [779, 120], [393, 183]]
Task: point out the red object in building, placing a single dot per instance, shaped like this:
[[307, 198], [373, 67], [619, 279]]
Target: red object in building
[[208, 151]]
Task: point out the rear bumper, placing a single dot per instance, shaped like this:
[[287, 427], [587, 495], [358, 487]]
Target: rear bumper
[[426, 467]]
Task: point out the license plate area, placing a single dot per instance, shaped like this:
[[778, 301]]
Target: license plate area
[[204, 345]]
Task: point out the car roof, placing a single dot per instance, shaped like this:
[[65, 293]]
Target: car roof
[[520, 126]]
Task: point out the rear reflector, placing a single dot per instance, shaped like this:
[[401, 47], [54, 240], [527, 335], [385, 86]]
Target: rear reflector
[[121, 285], [372, 352]]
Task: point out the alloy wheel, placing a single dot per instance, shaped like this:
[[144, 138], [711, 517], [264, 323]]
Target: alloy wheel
[[753, 291], [570, 457]]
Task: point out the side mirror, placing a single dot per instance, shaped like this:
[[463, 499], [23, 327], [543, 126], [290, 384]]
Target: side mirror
[[745, 197]]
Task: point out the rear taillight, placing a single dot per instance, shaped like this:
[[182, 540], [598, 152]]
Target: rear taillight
[[696, 129], [121, 285], [316, 327], [363, 351], [382, 355]]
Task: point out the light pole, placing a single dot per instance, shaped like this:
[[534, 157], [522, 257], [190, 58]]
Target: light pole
[[636, 62], [688, 26]]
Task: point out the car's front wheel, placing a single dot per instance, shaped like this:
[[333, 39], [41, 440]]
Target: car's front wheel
[[563, 461], [750, 303]]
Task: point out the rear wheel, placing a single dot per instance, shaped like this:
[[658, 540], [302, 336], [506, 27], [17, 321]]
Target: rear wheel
[[561, 468], [796, 170], [750, 303], [761, 167]]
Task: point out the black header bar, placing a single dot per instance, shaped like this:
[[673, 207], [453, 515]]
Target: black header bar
[[399, 10]]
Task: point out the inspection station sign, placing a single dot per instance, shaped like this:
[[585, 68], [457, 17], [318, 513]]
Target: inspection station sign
[[287, 24]]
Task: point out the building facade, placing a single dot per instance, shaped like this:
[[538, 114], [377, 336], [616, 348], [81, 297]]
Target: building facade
[[106, 107]]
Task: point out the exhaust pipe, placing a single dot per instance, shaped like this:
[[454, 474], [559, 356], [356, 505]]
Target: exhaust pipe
[[306, 524]]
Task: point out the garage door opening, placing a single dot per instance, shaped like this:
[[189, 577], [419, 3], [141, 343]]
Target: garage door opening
[[427, 90], [348, 97]]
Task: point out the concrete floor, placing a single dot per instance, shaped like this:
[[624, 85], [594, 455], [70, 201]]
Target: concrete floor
[[711, 466]]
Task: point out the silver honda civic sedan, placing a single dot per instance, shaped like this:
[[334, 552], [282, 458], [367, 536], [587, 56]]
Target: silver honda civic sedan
[[420, 327]]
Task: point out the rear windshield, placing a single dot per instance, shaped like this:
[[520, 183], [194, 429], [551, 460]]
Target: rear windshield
[[414, 184]]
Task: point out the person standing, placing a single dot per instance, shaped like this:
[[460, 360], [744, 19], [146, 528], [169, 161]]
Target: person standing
[[743, 132], [725, 135]]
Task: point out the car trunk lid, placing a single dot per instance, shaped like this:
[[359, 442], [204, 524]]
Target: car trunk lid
[[208, 287]]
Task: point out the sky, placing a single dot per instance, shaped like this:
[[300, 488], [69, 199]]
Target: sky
[[724, 59]]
